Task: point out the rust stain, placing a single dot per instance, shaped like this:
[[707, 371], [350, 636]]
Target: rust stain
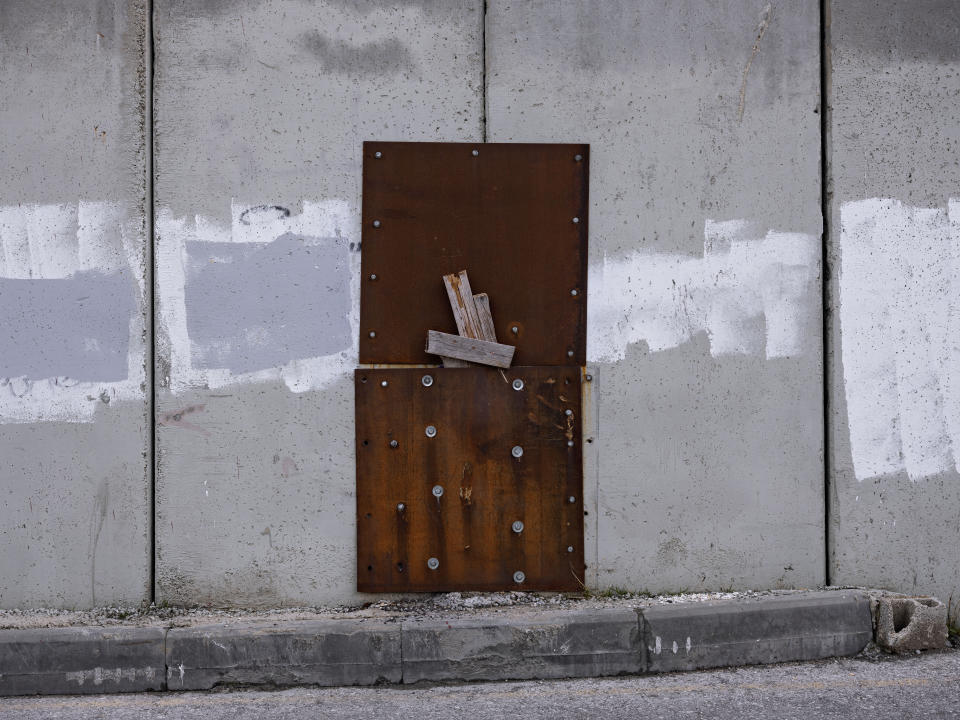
[[175, 419]]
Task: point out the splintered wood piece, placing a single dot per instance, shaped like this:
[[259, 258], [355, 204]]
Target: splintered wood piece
[[461, 302], [470, 349], [487, 330]]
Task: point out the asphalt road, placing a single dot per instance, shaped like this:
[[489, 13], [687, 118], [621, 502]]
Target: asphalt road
[[925, 686]]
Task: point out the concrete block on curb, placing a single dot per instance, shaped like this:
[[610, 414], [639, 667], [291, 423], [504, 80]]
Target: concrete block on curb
[[905, 624], [575, 644], [324, 652], [751, 632], [55, 661]]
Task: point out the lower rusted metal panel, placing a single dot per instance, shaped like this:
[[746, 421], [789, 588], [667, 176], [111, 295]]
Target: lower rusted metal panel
[[479, 416]]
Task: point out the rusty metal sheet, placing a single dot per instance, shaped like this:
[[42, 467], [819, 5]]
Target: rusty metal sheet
[[513, 215], [483, 485]]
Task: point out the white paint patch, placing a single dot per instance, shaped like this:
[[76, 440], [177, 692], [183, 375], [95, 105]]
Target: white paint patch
[[250, 224], [752, 293], [99, 675], [900, 325], [48, 242]]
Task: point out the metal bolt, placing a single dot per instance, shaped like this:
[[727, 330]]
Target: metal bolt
[[589, 378], [571, 499], [515, 330], [437, 491], [568, 412], [518, 384], [475, 153], [569, 548], [383, 383], [433, 563], [570, 443], [578, 158], [376, 223], [517, 451], [373, 333], [575, 221], [379, 155], [427, 380], [373, 276], [394, 444], [431, 431], [517, 526], [574, 292], [569, 353], [519, 577], [401, 507]]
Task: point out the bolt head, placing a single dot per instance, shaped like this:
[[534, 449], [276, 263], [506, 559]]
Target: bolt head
[[575, 221], [401, 507], [427, 380], [515, 330], [376, 223], [569, 548], [383, 383], [570, 443], [394, 444], [518, 384], [574, 292], [373, 276], [589, 378], [568, 412], [571, 499], [433, 563], [431, 431], [569, 353], [475, 153], [519, 576], [373, 333], [517, 451], [437, 491], [379, 154], [517, 526], [578, 157]]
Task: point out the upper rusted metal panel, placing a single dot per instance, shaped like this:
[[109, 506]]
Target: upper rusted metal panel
[[505, 213], [478, 416]]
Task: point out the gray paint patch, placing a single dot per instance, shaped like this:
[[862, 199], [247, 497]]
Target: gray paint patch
[[78, 327], [252, 306], [384, 57]]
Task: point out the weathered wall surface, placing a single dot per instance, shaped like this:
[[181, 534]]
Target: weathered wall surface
[[261, 110], [704, 299], [894, 369], [74, 430]]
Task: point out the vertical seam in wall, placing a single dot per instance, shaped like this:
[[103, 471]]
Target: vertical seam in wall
[[826, 192], [151, 295], [483, 58]]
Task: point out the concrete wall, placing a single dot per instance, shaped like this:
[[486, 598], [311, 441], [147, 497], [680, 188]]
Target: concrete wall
[[704, 287], [894, 255], [261, 109], [74, 430], [704, 466]]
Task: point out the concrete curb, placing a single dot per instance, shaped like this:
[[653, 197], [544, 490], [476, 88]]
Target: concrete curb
[[554, 644]]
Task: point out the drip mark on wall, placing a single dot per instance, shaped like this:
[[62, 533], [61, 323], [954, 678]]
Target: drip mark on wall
[[900, 336]]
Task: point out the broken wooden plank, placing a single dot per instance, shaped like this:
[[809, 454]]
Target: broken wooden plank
[[470, 349], [461, 302], [487, 330]]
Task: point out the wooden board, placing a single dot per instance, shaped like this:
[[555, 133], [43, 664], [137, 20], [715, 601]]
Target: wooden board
[[506, 215], [468, 349], [479, 417]]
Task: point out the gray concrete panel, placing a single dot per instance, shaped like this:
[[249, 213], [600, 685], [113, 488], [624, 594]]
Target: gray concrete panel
[[894, 409], [704, 296], [74, 430], [261, 111]]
